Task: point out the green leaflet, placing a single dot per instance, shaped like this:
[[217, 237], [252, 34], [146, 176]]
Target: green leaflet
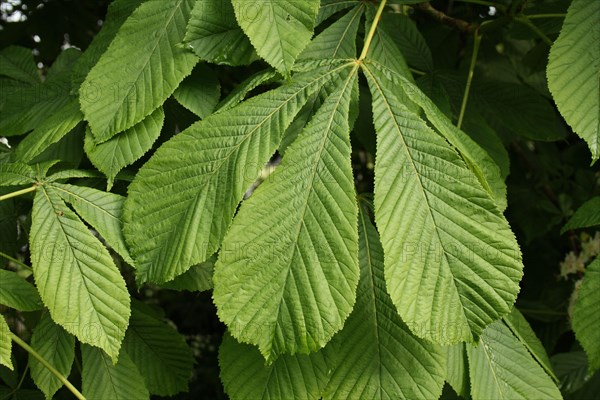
[[75, 275], [103, 380], [378, 357], [457, 369], [161, 355], [500, 367], [18, 63], [5, 344], [245, 375], [215, 36], [16, 174], [586, 319], [452, 263], [49, 132], [17, 293], [301, 223], [573, 68], [588, 214], [522, 330], [196, 279], [102, 210], [57, 347], [279, 30], [338, 40], [199, 92], [478, 160], [140, 69], [193, 183], [124, 148]]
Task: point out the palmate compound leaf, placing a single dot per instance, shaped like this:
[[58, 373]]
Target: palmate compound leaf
[[586, 318], [49, 132], [279, 30], [182, 201], [452, 263], [500, 367], [287, 271], [161, 355], [124, 148], [57, 347], [5, 344], [338, 40], [573, 69], [101, 379], [377, 355], [141, 68], [246, 376], [76, 276]]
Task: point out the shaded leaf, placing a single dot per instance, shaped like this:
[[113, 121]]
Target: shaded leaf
[[197, 279], [55, 346], [161, 355], [573, 68], [18, 63], [215, 36], [245, 375], [103, 380], [17, 293], [586, 318], [588, 214], [200, 91], [49, 132]]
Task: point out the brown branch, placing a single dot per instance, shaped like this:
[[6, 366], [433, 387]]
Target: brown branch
[[464, 26]]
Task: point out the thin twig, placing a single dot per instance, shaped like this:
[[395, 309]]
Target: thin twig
[[460, 24]]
